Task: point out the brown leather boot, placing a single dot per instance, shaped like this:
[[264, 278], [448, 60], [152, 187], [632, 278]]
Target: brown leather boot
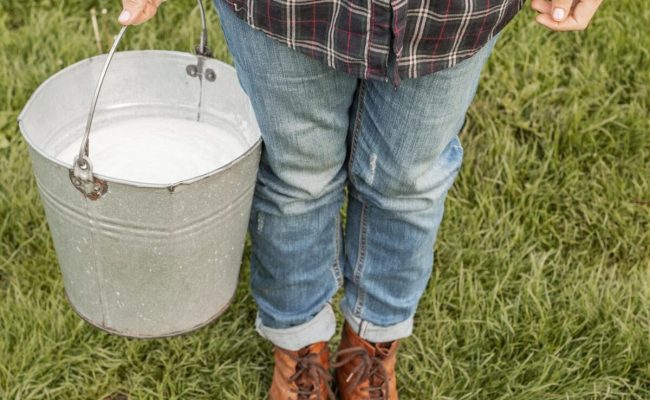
[[302, 374], [365, 370]]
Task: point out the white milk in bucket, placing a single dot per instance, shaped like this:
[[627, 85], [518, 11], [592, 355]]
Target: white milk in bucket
[[158, 150]]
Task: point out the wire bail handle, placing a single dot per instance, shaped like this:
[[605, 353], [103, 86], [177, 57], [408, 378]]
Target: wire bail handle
[[81, 174]]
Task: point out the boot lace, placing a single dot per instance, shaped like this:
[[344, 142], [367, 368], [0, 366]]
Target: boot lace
[[370, 369], [308, 376]]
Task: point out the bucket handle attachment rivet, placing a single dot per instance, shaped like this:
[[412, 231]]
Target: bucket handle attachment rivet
[[82, 178], [81, 173], [210, 75], [195, 70], [192, 70]]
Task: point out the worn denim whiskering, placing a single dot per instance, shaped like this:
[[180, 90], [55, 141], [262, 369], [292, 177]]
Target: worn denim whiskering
[[398, 152]]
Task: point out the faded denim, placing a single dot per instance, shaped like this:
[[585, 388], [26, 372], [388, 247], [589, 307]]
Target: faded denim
[[395, 149]]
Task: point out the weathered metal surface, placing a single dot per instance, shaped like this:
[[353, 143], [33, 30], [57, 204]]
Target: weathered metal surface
[[144, 260]]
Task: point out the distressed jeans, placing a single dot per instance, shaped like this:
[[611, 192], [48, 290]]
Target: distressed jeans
[[395, 149]]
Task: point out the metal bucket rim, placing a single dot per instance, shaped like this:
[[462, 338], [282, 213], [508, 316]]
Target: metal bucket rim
[[123, 54]]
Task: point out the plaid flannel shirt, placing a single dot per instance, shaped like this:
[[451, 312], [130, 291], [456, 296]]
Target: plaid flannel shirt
[[381, 39]]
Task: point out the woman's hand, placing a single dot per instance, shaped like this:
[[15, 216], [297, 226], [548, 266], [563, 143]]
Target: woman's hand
[[565, 15], [138, 11]]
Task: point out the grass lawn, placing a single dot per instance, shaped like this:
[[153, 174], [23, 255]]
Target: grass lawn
[[542, 281]]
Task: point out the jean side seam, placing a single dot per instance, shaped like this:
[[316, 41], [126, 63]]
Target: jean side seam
[[356, 129], [361, 257], [336, 266]]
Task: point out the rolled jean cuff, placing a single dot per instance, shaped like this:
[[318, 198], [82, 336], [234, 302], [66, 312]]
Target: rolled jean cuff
[[375, 333], [319, 329]]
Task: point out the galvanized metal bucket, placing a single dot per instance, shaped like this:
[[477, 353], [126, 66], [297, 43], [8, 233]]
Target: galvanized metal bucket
[[143, 260]]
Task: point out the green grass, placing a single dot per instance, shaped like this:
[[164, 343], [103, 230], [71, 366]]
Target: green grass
[[542, 282]]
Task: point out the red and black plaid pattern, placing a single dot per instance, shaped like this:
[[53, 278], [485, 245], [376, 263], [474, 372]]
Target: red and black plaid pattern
[[356, 36]]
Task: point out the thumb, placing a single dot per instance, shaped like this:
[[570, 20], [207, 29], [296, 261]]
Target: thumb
[[132, 9], [561, 9]]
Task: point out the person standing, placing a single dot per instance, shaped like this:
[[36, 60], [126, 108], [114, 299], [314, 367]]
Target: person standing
[[368, 95]]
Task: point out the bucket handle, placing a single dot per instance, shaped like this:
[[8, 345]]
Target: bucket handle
[[81, 174]]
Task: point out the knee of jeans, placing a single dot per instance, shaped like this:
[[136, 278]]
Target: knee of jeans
[[411, 188], [292, 192]]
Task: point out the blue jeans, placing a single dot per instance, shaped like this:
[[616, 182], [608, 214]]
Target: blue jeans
[[398, 153]]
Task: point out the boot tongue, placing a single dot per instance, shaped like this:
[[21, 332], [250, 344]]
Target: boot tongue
[[304, 381], [381, 351]]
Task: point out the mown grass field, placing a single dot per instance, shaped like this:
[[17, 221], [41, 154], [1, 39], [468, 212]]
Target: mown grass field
[[542, 282]]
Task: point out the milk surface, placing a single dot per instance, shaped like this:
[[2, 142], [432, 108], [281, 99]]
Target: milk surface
[[158, 150]]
